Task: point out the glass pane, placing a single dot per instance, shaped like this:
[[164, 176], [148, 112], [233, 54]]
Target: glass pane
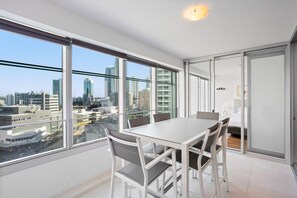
[[202, 95], [18, 48], [138, 96], [135, 70], [201, 69], [29, 139], [91, 126], [194, 98], [267, 88], [31, 104], [95, 98], [84, 59], [228, 96]]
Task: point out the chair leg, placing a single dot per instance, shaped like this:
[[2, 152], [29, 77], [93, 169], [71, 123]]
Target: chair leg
[[163, 183], [139, 193], [194, 174], [174, 174], [112, 186], [144, 193], [155, 155], [216, 177], [125, 188], [201, 183], [225, 174]]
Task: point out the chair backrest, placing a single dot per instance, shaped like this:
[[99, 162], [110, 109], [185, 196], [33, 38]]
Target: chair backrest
[[208, 115], [211, 137], [138, 122], [124, 146], [161, 117], [224, 127]]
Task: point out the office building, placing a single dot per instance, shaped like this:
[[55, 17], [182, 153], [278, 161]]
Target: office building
[[135, 89], [88, 91], [57, 90], [165, 95], [144, 99], [10, 100]]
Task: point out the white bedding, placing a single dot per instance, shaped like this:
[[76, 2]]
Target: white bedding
[[235, 120]]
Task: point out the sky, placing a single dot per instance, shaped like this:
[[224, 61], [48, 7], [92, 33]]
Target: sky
[[19, 48]]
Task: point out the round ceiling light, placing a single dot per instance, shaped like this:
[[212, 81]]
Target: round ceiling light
[[195, 13]]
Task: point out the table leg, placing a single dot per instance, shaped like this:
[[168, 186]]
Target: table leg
[[185, 171]]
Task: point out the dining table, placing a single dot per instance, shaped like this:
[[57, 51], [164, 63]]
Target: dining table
[[178, 133]]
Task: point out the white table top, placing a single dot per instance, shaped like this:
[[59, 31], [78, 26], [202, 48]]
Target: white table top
[[177, 130]]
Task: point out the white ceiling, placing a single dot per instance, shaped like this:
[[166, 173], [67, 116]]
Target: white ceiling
[[230, 25]]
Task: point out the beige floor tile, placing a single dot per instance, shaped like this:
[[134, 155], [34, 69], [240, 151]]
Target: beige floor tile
[[248, 177]]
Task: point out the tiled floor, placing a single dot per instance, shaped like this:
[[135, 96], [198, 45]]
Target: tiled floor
[[248, 177]]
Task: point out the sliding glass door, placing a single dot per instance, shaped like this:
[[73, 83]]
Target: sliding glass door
[[249, 88], [199, 94], [199, 87], [266, 82], [228, 96]]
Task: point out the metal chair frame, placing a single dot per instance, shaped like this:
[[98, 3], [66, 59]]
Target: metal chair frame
[[145, 167]]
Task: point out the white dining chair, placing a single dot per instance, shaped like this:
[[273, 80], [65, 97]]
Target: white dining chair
[[220, 147], [198, 161], [207, 115], [141, 170]]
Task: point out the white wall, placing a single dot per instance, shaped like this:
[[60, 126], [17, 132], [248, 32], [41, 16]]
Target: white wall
[[53, 178]]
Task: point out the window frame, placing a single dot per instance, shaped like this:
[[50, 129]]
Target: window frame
[[69, 148]]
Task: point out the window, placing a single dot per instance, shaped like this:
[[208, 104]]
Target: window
[[166, 91], [33, 98], [95, 94], [31, 95], [138, 90]]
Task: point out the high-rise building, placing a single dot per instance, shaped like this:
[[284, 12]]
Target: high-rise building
[[111, 84], [135, 88], [44, 100], [10, 100], [165, 99], [57, 90], [88, 91], [144, 99]]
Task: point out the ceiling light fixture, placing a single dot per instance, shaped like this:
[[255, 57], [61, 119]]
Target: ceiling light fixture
[[195, 13]]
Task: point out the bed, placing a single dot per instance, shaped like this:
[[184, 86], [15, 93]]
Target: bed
[[234, 127]]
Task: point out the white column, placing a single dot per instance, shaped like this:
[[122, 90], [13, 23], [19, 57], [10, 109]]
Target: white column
[[122, 94], [67, 96]]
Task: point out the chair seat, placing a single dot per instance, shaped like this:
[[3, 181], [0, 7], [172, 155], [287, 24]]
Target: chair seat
[[159, 149], [134, 172], [193, 157], [199, 145]]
